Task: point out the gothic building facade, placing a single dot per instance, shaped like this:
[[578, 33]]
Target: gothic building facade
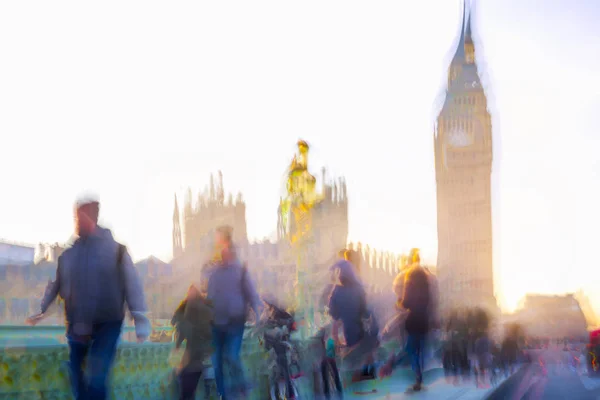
[[272, 263], [463, 165]]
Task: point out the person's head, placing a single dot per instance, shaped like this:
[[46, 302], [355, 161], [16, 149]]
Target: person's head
[[87, 210], [224, 241], [353, 258], [193, 292], [223, 236], [415, 258], [346, 273]]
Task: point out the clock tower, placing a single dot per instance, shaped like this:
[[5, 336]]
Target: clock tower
[[463, 165]]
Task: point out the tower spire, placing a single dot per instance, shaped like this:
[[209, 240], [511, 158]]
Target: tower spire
[[177, 243], [465, 34], [176, 210], [467, 28], [220, 190], [212, 188]]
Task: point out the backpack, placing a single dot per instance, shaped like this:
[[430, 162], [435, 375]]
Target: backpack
[[193, 321], [121, 249]]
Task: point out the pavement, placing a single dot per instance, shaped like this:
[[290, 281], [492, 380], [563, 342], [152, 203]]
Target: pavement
[[436, 387], [549, 378], [546, 378]]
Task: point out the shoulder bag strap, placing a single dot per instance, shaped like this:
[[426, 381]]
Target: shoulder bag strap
[[120, 254]]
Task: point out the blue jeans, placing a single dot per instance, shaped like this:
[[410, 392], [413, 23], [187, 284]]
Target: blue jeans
[[415, 347], [227, 342], [99, 349]]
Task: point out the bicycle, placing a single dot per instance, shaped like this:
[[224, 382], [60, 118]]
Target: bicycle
[[283, 356]]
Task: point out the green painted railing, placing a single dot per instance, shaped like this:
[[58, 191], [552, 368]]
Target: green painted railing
[[141, 371]]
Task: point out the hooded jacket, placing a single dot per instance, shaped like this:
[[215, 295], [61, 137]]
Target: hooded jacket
[[95, 288], [348, 303]]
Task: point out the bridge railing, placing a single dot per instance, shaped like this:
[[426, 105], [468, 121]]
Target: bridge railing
[[34, 365], [40, 371]]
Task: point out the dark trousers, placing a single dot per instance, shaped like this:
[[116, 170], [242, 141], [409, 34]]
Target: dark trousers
[[97, 351], [325, 364], [227, 342], [188, 382], [415, 347]]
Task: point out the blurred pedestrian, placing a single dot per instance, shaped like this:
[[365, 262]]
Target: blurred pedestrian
[[192, 321], [95, 278], [232, 293]]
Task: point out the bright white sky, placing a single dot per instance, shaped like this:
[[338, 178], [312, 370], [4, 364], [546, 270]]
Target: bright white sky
[[136, 100]]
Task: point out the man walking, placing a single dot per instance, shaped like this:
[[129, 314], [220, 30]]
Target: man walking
[[232, 293], [95, 277], [418, 310], [417, 300]]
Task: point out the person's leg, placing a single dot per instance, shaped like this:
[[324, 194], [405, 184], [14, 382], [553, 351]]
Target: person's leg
[[217, 360], [336, 376], [206, 389], [282, 361], [102, 353], [409, 348], [78, 349], [188, 380], [233, 347], [325, 381], [456, 364], [420, 357]]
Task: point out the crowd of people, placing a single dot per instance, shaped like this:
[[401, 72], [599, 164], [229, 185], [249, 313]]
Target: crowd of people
[[469, 350], [96, 278]]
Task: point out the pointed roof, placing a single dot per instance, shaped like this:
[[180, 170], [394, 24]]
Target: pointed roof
[[465, 32], [151, 260], [176, 210]]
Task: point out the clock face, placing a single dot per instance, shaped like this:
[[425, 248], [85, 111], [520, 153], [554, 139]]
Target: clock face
[[459, 138]]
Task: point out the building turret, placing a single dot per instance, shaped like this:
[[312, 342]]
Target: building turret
[[212, 189], [220, 190], [177, 240]]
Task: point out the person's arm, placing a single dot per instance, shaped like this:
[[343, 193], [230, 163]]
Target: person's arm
[[398, 285], [52, 290], [408, 294], [50, 294], [335, 332], [134, 296], [334, 308]]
